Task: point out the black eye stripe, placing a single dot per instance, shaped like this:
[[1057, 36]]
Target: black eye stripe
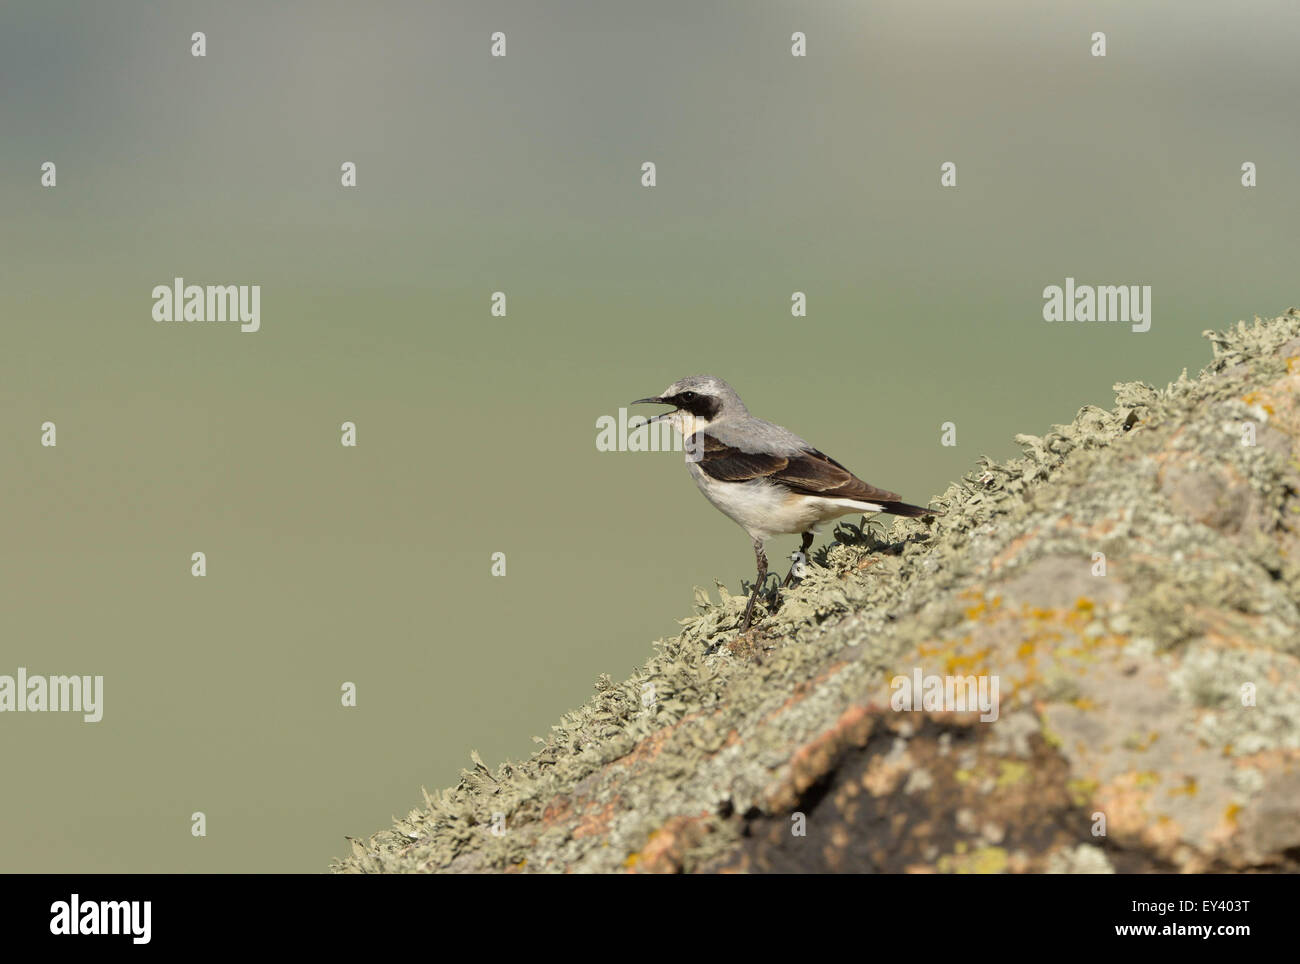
[[703, 406]]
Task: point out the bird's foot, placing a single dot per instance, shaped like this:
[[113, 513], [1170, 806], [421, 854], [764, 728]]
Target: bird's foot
[[772, 603]]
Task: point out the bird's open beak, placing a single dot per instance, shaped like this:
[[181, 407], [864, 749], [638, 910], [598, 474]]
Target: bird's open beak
[[655, 400]]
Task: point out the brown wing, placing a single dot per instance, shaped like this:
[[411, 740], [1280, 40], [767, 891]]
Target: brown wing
[[810, 473]]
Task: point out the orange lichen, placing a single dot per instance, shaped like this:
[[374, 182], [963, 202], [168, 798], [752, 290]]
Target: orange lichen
[[1254, 398]]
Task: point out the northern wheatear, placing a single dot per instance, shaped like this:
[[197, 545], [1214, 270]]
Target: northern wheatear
[[765, 478]]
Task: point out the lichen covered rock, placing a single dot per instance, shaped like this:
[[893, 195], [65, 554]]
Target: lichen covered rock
[[1133, 583]]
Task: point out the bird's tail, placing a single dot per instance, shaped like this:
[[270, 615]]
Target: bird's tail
[[910, 511]]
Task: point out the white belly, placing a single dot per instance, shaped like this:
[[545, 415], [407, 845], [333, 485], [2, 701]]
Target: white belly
[[764, 509]]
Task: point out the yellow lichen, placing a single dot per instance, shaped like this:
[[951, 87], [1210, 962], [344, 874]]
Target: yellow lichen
[[1081, 791], [1011, 772], [985, 860], [1050, 736]]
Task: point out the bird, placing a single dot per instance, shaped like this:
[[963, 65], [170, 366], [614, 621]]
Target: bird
[[763, 477]]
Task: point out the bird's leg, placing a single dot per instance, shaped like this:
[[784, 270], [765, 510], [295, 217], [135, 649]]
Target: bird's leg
[[803, 551], [761, 558]]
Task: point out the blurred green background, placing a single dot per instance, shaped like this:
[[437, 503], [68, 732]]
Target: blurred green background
[[477, 434]]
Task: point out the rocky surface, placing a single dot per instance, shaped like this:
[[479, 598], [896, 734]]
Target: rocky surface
[[1133, 583]]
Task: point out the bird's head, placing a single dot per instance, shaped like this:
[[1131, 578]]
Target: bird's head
[[697, 401]]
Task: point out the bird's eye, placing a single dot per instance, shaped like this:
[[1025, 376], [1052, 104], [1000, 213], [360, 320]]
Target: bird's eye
[[687, 396]]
